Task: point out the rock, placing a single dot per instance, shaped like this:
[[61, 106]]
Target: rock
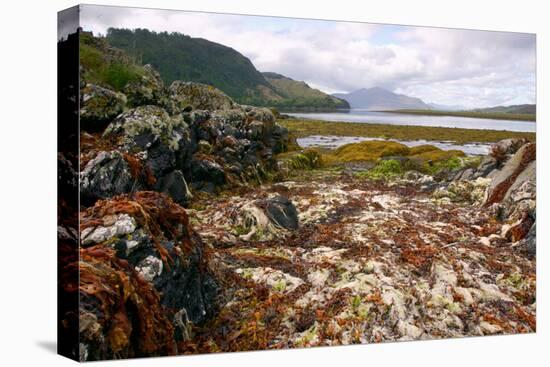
[[107, 175], [163, 141], [505, 178], [199, 96], [503, 149], [529, 243], [98, 106], [141, 247], [282, 212], [472, 191], [149, 89], [261, 114], [174, 185], [206, 173], [466, 174], [487, 165]]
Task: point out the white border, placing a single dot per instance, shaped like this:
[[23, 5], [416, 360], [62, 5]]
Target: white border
[[28, 181]]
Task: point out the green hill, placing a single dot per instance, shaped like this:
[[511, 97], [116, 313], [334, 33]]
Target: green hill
[[298, 94], [180, 57]]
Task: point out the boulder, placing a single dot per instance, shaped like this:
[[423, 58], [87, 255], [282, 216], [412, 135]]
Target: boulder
[[529, 243], [149, 89], [174, 185], [507, 176], [487, 165], [98, 106], [144, 277], [266, 219], [205, 173], [199, 96], [503, 149], [282, 212], [162, 140], [106, 175]]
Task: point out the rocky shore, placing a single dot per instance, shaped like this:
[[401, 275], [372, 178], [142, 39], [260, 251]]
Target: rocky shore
[[197, 233]]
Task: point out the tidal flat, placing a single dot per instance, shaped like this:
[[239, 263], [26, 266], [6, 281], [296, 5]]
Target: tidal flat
[[301, 128]]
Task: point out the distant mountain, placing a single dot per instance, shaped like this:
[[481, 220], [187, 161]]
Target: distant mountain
[[520, 109], [380, 99], [299, 94], [444, 107], [180, 57]]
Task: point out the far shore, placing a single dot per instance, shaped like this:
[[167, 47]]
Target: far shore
[[473, 114], [300, 128]]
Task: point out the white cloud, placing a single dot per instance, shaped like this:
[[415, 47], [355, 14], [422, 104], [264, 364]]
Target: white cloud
[[446, 66]]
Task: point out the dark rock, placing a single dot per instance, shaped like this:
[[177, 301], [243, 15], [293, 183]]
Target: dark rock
[[141, 247], [163, 141], [529, 243], [107, 175], [282, 212], [488, 164], [174, 185], [206, 173]]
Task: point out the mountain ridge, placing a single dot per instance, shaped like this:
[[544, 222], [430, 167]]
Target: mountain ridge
[[177, 56], [380, 99]]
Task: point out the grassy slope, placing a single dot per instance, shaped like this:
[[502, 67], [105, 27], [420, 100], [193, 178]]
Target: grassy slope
[[475, 114], [302, 128], [298, 93], [180, 57]]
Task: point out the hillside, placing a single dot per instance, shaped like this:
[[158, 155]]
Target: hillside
[[300, 94], [519, 109], [180, 57], [380, 99]]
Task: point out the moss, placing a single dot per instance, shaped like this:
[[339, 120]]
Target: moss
[[366, 151], [280, 286], [384, 170], [437, 155], [419, 149], [304, 160]]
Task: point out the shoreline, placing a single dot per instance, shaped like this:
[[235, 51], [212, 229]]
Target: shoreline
[[300, 128], [469, 114]]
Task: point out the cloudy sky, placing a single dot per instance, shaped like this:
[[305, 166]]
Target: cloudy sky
[[444, 66]]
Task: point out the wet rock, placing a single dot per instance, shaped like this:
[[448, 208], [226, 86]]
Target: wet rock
[[107, 175], [282, 212], [174, 185], [199, 96], [99, 106]]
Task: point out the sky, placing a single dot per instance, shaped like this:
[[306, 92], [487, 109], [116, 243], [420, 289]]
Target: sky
[[469, 68]]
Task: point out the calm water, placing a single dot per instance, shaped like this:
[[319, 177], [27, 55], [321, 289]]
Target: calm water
[[364, 116]]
